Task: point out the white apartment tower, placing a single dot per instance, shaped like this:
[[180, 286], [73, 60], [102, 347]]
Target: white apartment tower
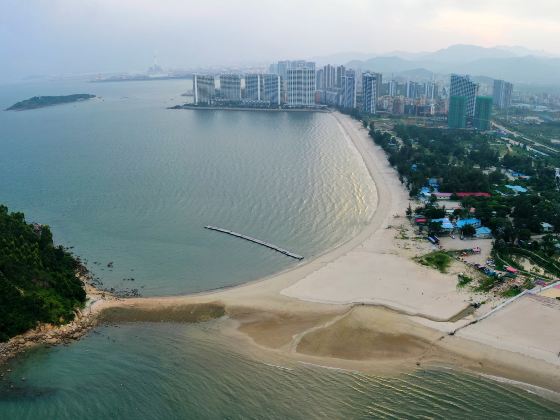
[[348, 90], [203, 89], [369, 92], [230, 87], [301, 83]]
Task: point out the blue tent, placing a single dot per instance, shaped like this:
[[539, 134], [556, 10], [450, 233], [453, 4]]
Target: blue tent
[[464, 222], [483, 232]]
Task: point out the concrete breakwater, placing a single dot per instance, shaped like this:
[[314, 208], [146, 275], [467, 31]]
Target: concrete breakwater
[[257, 241]]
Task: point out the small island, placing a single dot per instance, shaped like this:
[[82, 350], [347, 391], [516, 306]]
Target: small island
[[44, 101]]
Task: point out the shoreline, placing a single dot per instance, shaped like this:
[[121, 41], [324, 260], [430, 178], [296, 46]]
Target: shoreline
[[399, 323], [233, 108]]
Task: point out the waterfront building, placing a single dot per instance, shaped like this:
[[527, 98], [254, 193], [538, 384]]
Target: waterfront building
[[301, 84], [463, 86], [348, 90], [502, 94], [271, 89], [369, 92], [483, 113], [283, 67], [203, 89], [263, 88], [230, 87], [457, 117], [253, 87]]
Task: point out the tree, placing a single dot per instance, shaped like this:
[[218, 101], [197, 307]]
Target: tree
[[524, 234], [434, 228], [468, 231], [409, 211]]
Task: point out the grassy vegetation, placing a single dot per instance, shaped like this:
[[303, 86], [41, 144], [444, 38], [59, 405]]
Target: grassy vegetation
[[38, 280], [487, 284], [438, 259], [512, 291], [463, 280]]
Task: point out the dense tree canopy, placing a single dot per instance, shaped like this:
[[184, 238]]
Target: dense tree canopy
[[38, 280]]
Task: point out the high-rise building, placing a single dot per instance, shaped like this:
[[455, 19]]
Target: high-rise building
[[502, 94], [301, 84], [263, 87], [483, 113], [465, 87], [348, 90], [253, 87], [430, 91], [320, 79], [203, 89], [282, 68], [340, 72], [369, 92], [413, 90], [392, 88], [329, 73], [379, 82], [457, 117], [271, 89], [230, 87]]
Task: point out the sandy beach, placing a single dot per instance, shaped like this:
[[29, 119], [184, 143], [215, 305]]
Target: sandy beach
[[368, 306]]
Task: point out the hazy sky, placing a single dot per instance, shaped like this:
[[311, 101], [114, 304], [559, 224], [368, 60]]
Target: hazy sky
[[73, 36]]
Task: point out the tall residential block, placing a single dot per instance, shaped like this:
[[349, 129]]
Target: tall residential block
[[320, 79], [230, 87], [348, 90], [329, 77], [502, 94], [282, 68], [369, 92], [203, 89], [483, 113], [271, 89], [463, 86], [263, 88], [340, 72], [253, 87], [457, 116], [379, 83], [301, 85]]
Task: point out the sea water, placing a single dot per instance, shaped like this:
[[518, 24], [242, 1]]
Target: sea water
[[122, 179]]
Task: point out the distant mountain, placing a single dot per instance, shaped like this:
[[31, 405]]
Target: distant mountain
[[522, 51], [465, 53], [341, 58], [384, 64], [497, 62]]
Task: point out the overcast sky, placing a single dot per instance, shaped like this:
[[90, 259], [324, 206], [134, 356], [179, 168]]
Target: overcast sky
[[76, 36]]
